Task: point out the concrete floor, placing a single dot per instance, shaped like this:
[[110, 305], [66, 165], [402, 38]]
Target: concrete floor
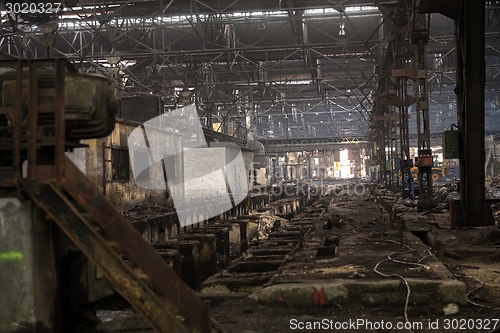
[[343, 261]]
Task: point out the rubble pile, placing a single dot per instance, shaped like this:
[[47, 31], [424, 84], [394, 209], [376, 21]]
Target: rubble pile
[[397, 203], [267, 222], [493, 187], [494, 181]]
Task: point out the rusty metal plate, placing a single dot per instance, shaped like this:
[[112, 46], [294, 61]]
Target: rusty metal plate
[[137, 250], [90, 242]]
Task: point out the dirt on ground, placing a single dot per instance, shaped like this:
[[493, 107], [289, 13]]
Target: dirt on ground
[[471, 255], [364, 227]]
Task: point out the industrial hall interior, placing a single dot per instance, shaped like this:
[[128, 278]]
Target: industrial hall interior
[[352, 156]]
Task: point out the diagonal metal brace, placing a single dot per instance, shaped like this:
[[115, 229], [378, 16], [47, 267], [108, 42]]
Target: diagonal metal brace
[[59, 208], [137, 250]]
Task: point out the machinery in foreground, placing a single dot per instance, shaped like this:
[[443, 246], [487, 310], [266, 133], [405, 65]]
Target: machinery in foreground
[[47, 108]]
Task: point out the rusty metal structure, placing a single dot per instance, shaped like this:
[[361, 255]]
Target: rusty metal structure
[[289, 69], [59, 189], [271, 70], [299, 76], [420, 38], [396, 88], [405, 83]]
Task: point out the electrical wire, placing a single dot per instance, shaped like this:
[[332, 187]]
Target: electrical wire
[[481, 284], [404, 262], [408, 290], [418, 263]]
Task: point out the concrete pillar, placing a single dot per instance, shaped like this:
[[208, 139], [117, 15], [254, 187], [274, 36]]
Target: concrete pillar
[[29, 294]]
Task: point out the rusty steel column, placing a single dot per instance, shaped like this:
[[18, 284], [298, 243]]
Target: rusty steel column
[[420, 39], [470, 32]]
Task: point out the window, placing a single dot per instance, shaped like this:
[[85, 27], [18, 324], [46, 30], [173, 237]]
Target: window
[[120, 164]]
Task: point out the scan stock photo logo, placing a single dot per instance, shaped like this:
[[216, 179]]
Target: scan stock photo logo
[[170, 153]]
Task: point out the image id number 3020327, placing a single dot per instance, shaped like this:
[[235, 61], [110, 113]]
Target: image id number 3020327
[[15, 7]]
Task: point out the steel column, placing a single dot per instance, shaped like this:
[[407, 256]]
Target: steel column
[[470, 85], [420, 39]]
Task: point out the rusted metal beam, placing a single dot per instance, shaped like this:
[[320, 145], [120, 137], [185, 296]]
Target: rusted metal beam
[[119, 229], [397, 101], [398, 31], [400, 34], [58, 207], [409, 72], [387, 117]]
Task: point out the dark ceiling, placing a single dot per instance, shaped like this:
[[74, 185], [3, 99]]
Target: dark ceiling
[[286, 68]]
